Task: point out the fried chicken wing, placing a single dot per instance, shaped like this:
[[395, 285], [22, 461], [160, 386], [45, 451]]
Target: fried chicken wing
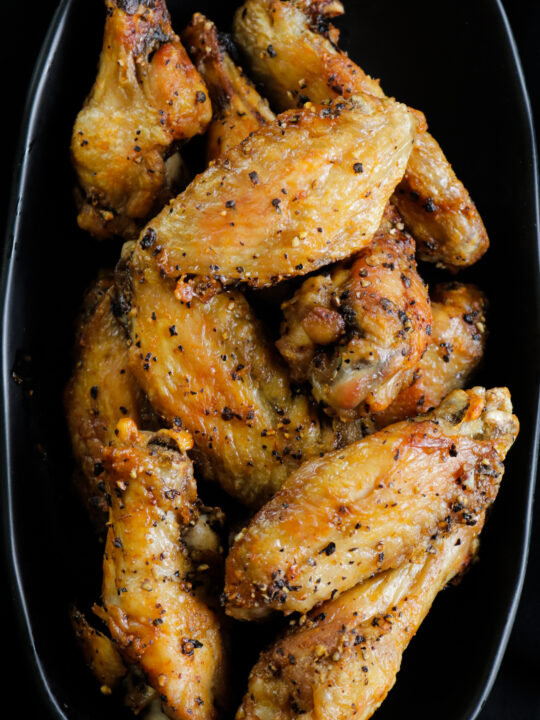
[[238, 109], [356, 332], [207, 366], [343, 660], [303, 191], [100, 392], [100, 653], [292, 50], [372, 505], [148, 604], [147, 96], [457, 345]]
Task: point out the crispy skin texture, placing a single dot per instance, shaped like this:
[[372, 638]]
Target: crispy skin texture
[[356, 332], [371, 506], [147, 96], [457, 346], [100, 653], [100, 392], [207, 366], [148, 605], [305, 64], [238, 109], [346, 655], [287, 199]]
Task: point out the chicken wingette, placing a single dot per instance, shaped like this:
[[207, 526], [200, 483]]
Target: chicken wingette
[[342, 661], [292, 50], [149, 607], [308, 189], [356, 331], [457, 344], [371, 506], [208, 366], [147, 97], [100, 392], [238, 109]]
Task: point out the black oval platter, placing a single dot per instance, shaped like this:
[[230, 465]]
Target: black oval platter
[[458, 63]]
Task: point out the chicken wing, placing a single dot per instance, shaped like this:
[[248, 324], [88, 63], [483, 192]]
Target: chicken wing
[[356, 332], [100, 392], [303, 191], [342, 661], [292, 50], [457, 345], [208, 366], [372, 505], [238, 109], [147, 96], [148, 605]]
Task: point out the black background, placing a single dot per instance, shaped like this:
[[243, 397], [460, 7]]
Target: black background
[[516, 694]]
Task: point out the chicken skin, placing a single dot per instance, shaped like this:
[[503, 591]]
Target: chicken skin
[[371, 506], [148, 604], [342, 661], [356, 332], [303, 191], [238, 109], [292, 51], [457, 346], [147, 97], [101, 391]]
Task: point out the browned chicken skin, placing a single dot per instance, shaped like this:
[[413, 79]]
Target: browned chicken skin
[[303, 191], [342, 661], [372, 505], [101, 391], [148, 605], [457, 345], [238, 109], [293, 51], [356, 332], [147, 96]]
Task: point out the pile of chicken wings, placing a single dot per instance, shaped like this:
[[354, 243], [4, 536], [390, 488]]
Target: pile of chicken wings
[[267, 331]]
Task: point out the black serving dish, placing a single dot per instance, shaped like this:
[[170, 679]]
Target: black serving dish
[[456, 62]]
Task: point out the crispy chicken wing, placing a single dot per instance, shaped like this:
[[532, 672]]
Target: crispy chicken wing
[[146, 97], [292, 50], [238, 109], [343, 660], [356, 332], [457, 345], [101, 391], [100, 653], [207, 366], [303, 191], [148, 604], [372, 505]]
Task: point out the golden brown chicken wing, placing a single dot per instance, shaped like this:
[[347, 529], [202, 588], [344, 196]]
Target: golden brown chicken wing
[[303, 191], [147, 96], [292, 50], [238, 109], [457, 345], [148, 604], [372, 505], [208, 366], [101, 391], [342, 661], [356, 332]]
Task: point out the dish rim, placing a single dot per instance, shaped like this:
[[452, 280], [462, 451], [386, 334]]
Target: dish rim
[[33, 100]]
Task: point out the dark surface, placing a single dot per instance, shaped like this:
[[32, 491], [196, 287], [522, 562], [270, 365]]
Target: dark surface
[[516, 693]]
